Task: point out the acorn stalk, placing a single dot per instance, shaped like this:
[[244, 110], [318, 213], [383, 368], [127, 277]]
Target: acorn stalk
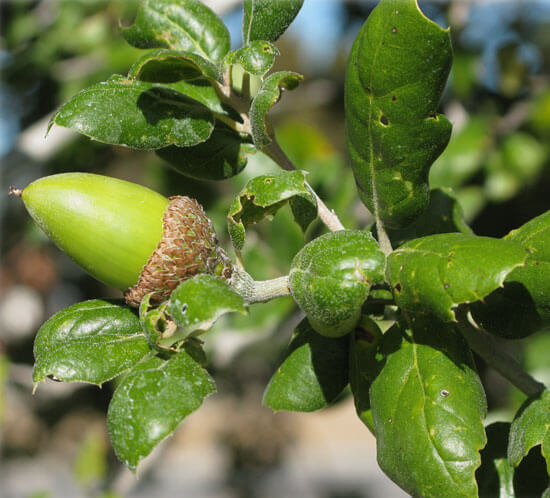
[[124, 234]]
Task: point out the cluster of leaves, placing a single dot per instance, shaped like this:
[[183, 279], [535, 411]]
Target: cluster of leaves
[[390, 323], [180, 99]]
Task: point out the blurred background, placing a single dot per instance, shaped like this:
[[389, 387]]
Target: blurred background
[[54, 444]]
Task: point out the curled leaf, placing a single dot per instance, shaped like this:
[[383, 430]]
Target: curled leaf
[[264, 196], [268, 95], [330, 279], [168, 66], [257, 57]]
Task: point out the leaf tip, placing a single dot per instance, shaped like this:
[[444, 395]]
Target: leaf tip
[[133, 469], [50, 125]]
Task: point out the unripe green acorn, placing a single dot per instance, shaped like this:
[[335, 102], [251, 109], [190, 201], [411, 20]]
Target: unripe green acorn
[[124, 234]]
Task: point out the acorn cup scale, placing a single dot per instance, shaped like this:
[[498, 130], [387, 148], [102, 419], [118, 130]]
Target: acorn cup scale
[[124, 234]]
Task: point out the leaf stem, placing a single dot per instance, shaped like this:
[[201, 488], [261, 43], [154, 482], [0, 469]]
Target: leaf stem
[[383, 238], [258, 291], [328, 217], [229, 96], [15, 191], [490, 349], [241, 104]]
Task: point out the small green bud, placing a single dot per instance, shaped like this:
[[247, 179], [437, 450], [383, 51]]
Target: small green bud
[[124, 234]]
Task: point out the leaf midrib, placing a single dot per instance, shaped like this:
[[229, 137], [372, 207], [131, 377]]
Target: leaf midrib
[[370, 135], [416, 366]]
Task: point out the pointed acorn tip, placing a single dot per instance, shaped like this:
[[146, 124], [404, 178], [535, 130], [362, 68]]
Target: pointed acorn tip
[[14, 191]]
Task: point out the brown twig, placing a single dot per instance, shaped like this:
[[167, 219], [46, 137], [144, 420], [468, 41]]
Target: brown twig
[[14, 191]]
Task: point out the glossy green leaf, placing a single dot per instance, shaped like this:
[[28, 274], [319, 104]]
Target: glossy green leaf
[[92, 341], [522, 307], [136, 114], [264, 196], [202, 91], [535, 276], [168, 66], [443, 215], [256, 57], [151, 401], [330, 279], [428, 404], [198, 302], [266, 19], [222, 156], [180, 25], [363, 366], [312, 375], [437, 273], [531, 427], [396, 73], [268, 95], [495, 477]]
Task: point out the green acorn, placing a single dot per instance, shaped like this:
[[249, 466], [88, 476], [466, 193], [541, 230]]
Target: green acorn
[[124, 234]]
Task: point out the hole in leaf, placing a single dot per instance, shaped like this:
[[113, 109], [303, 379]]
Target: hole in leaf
[[268, 180], [397, 287], [266, 49], [394, 98], [384, 120]]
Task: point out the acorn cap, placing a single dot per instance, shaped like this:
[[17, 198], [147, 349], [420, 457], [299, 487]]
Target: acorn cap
[[188, 247], [124, 234]]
